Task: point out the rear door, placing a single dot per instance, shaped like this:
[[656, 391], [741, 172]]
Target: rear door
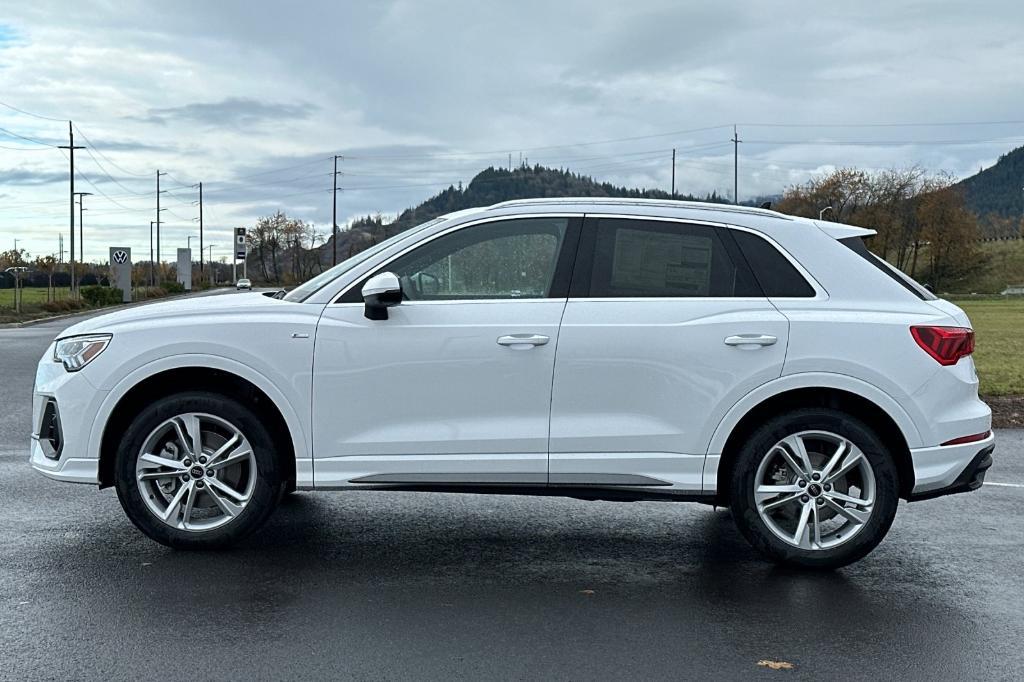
[[664, 330]]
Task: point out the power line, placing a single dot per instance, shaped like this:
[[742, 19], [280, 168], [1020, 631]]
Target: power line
[[29, 113], [27, 139], [106, 158]]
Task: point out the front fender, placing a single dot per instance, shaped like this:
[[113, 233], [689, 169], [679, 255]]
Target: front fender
[[294, 409]]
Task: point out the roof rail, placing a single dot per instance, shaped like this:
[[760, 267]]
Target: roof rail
[[625, 201]]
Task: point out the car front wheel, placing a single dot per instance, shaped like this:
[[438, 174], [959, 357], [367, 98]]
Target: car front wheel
[[815, 488], [197, 470]]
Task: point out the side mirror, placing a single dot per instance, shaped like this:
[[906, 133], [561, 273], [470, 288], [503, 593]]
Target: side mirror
[[380, 293]]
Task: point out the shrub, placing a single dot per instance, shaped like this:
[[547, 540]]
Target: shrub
[[62, 306], [101, 296], [173, 287]]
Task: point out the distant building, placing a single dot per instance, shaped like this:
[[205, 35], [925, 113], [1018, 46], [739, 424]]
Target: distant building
[[1017, 289]]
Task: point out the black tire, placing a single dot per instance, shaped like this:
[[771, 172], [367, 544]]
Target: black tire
[[265, 494], [757, 446]]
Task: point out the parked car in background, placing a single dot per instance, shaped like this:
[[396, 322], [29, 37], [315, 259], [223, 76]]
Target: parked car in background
[[243, 284], [603, 349]]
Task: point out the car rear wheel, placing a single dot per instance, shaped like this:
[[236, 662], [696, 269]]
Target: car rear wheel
[[197, 470], [815, 488]]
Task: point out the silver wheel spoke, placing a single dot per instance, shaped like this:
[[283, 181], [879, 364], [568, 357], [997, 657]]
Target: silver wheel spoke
[[835, 459], [842, 497], [171, 513], [802, 535], [238, 455], [186, 516], [152, 476], [149, 461], [230, 443], [853, 515], [227, 490], [775, 504], [800, 450], [226, 506], [797, 468], [852, 460], [817, 526], [767, 491]]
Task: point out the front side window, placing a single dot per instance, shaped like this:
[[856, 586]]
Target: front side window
[[497, 260], [650, 258]]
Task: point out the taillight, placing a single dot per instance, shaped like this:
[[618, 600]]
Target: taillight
[[946, 344]]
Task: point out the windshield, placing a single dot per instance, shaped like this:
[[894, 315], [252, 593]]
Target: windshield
[[307, 288]]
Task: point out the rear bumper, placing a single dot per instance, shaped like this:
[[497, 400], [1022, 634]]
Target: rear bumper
[[968, 477]]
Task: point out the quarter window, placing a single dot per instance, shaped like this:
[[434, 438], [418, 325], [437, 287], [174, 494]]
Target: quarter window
[[648, 258], [774, 272]]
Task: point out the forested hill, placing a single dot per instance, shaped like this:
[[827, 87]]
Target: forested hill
[[998, 189], [494, 185]]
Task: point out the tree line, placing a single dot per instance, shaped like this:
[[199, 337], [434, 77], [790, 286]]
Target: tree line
[[923, 223]]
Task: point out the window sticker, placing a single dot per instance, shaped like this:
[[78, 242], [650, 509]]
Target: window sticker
[[659, 261]]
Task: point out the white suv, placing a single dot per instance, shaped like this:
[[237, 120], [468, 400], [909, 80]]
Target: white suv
[[598, 349]]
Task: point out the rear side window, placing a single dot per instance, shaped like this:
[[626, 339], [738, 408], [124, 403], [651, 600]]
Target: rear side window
[[774, 272], [650, 258], [857, 245]]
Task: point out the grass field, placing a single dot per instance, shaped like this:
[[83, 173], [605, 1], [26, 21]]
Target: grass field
[[30, 296], [999, 350]]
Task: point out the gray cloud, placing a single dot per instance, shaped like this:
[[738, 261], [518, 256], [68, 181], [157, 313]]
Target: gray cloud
[[236, 112]]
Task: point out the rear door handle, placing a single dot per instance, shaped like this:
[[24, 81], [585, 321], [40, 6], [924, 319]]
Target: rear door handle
[[522, 341], [751, 340]]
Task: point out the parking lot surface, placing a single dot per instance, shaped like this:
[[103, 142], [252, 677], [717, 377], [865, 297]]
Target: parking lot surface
[[416, 585]]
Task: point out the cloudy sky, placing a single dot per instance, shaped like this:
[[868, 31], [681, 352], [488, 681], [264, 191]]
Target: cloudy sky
[[253, 99]]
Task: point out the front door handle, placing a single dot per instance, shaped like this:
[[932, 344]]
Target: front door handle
[[522, 341], [751, 340]]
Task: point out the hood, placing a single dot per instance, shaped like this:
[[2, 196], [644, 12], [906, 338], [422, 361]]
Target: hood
[[189, 306]]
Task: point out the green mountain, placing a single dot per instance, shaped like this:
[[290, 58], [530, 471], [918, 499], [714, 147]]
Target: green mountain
[[999, 189]]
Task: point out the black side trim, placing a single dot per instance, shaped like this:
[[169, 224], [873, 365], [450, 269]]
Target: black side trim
[[969, 479], [611, 494]]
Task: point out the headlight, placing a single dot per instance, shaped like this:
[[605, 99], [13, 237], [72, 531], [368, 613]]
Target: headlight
[[78, 351]]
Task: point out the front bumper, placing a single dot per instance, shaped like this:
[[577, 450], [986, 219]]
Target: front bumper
[[951, 469], [77, 402]]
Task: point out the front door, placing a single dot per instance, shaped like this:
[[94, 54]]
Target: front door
[[665, 328], [455, 386]]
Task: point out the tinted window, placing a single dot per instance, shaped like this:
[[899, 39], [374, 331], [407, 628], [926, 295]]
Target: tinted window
[[648, 258], [773, 271], [505, 259]]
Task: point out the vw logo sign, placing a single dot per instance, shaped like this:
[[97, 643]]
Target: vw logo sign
[[120, 257]]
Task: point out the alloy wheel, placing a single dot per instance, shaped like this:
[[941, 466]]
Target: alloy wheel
[[196, 472], [815, 490]]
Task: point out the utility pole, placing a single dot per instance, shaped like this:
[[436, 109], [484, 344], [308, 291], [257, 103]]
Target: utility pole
[[735, 166], [71, 147], [673, 173], [158, 209], [334, 214], [60, 247], [81, 231], [152, 268], [200, 186]]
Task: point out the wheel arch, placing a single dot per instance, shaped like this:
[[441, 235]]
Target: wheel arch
[[202, 378], [893, 429]]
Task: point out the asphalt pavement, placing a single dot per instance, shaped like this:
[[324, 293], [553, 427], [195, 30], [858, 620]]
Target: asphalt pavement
[[374, 585]]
